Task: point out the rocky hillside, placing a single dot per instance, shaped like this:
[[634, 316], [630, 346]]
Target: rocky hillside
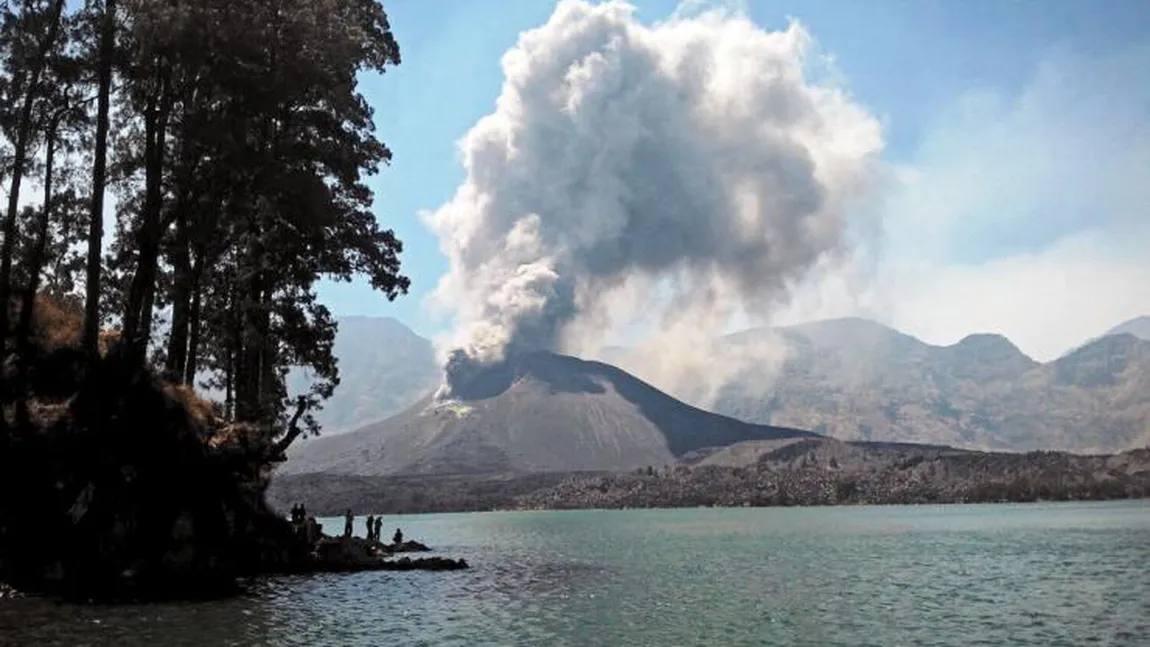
[[857, 380], [1139, 327], [539, 412], [757, 473], [852, 379], [384, 367], [829, 472]]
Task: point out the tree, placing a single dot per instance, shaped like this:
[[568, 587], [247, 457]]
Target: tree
[[238, 160], [107, 36], [248, 157], [40, 26]]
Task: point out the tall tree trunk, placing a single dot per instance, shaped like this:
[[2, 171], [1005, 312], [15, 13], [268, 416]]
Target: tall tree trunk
[[91, 338], [19, 160], [191, 364], [177, 355], [181, 252], [141, 296], [249, 370], [35, 268], [233, 340], [36, 259]]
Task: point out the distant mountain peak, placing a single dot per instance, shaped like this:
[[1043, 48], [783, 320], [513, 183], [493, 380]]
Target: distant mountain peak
[[841, 323], [1107, 344], [1138, 326], [989, 343]]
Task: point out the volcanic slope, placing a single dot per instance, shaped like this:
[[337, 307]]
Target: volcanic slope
[[537, 412]]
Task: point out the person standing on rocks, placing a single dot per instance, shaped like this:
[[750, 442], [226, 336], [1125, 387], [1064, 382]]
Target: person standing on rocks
[[348, 521], [397, 538], [379, 528], [370, 529]]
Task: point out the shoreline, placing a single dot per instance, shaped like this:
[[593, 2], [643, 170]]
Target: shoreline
[[761, 507], [818, 475]]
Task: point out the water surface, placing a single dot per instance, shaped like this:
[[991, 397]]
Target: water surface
[[1033, 574]]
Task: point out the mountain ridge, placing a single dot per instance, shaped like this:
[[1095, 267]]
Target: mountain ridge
[[857, 379], [539, 412]]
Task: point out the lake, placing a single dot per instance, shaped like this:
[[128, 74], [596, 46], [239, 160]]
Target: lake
[[1028, 574]]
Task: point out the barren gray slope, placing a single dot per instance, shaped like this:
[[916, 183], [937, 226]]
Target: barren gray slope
[[856, 380], [384, 367], [538, 413]]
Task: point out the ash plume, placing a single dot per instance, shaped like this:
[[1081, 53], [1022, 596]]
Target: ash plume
[[682, 173]]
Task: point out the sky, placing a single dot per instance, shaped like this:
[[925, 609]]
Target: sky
[[1017, 133]]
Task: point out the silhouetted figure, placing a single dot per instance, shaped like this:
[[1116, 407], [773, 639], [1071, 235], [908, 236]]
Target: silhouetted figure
[[295, 513], [311, 531], [371, 528], [348, 520], [397, 538], [379, 528], [302, 513]]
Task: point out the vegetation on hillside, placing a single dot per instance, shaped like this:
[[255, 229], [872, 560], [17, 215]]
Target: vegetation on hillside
[[806, 472], [228, 145]]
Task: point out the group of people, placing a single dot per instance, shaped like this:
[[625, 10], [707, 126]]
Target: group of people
[[306, 528], [374, 528]]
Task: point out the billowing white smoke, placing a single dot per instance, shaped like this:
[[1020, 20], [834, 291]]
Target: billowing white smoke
[[689, 169]]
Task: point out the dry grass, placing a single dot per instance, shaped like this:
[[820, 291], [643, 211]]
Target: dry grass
[[42, 414], [58, 322], [243, 435], [201, 411]]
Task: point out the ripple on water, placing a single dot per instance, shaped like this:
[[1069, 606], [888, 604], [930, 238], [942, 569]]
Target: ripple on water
[[932, 576]]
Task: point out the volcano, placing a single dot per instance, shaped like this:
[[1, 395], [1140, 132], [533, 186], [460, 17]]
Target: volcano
[[535, 412]]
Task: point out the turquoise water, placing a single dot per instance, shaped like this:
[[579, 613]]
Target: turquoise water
[[1034, 574]]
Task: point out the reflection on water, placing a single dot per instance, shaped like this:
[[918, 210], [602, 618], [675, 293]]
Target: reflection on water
[[1066, 574]]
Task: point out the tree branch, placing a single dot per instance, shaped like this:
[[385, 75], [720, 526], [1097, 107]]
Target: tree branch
[[293, 430]]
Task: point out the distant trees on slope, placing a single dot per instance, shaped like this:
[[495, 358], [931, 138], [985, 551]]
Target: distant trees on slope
[[804, 478]]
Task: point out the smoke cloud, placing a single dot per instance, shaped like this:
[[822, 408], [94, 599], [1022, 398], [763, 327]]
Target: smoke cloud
[[680, 174]]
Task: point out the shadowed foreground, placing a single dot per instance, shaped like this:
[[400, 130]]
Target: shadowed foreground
[[115, 484]]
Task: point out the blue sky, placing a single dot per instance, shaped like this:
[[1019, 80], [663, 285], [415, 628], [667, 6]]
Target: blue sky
[[929, 69]]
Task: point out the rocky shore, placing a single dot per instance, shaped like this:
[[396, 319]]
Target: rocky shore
[[353, 554]]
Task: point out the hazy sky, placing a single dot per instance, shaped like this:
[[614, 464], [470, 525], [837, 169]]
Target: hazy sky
[[1019, 133]]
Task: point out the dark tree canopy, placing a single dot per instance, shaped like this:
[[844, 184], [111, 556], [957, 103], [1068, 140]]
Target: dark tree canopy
[[234, 144]]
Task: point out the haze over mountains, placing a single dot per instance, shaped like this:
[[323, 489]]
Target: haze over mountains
[[384, 367], [857, 380], [851, 379]]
